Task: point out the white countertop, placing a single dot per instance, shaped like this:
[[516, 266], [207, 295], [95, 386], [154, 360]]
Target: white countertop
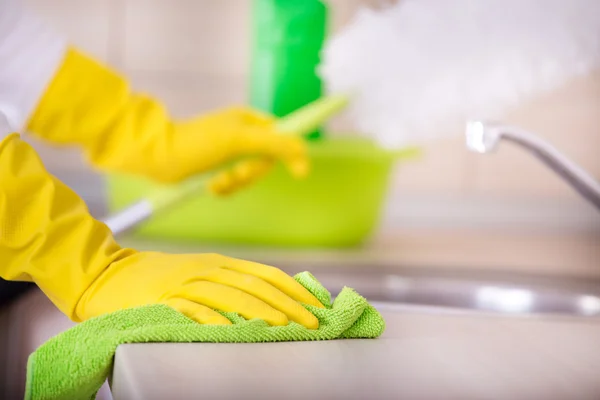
[[424, 354]]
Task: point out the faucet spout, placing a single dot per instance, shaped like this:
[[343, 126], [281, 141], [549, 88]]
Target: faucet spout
[[483, 137]]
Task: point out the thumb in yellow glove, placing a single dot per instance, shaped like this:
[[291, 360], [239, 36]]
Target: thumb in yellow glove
[[90, 105], [47, 236]]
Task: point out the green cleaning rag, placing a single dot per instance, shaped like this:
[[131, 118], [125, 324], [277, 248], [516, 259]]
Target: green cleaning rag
[[74, 364]]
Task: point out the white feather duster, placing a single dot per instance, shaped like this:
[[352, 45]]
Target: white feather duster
[[418, 64]]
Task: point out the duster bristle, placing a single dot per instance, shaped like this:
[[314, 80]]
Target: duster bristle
[[415, 66]]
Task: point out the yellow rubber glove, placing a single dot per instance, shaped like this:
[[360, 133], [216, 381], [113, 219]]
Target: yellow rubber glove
[[48, 237], [90, 105]]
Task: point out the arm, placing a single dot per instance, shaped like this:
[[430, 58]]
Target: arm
[[48, 237], [54, 91]]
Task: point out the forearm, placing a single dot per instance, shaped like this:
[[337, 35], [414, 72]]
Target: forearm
[[54, 92], [58, 94], [46, 233], [90, 105]]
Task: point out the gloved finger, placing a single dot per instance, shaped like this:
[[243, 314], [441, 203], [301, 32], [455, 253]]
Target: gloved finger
[[275, 277], [288, 149], [265, 292], [222, 183], [197, 312], [241, 175], [228, 299]]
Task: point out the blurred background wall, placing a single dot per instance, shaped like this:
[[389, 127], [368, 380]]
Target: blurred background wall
[[194, 55]]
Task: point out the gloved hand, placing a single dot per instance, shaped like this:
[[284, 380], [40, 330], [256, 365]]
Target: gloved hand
[[195, 284], [90, 105], [47, 236]]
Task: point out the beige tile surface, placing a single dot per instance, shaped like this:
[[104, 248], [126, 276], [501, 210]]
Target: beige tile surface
[[442, 168], [569, 119], [341, 12], [200, 36], [86, 23], [188, 94], [444, 165]]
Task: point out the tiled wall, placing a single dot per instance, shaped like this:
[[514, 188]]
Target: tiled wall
[[193, 54]]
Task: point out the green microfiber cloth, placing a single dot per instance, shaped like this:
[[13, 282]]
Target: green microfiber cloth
[[74, 364]]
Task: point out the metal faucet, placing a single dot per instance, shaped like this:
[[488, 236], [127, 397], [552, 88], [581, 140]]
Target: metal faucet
[[483, 137]]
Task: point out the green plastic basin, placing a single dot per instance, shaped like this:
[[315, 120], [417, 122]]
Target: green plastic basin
[[338, 205]]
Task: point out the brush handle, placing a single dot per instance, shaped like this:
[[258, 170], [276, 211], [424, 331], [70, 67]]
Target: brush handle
[[300, 122]]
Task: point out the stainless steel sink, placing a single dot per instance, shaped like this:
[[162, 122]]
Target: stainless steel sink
[[503, 293]]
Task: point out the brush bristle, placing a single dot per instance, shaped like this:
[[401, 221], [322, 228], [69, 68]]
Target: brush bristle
[[419, 65]]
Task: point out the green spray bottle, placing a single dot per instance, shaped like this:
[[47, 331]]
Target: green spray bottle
[[287, 38]]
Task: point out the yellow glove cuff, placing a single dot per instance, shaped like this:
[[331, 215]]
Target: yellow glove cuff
[[90, 105], [47, 235]]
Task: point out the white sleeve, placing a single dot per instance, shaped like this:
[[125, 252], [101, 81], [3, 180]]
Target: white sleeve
[[5, 128], [30, 54]]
